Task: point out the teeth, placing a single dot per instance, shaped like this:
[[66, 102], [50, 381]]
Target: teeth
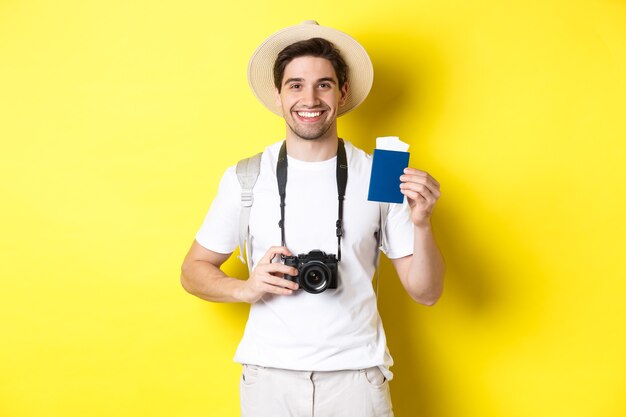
[[309, 113]]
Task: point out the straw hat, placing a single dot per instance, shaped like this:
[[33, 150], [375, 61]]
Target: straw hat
[[261, 65]]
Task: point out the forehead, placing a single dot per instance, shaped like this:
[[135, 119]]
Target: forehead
[[309, 67]]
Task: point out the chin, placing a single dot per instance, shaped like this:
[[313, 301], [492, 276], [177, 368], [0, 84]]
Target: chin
[[310, 135]]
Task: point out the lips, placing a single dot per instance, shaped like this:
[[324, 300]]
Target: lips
[[309, 116]]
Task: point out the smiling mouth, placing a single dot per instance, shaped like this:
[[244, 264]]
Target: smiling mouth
[[309, 115]]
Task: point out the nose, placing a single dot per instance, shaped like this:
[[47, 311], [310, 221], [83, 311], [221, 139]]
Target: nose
[[310, 97]]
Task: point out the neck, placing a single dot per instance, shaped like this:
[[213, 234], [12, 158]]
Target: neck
[[312, 150]]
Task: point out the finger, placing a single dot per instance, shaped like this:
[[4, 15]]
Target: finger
[[272, 252], [421, 189], [278, 268], [414, 171], [418, 199], [419, 177], [414, 196], [280, 282], [427, 182], [259, 285], [419, 173], [271, 289]]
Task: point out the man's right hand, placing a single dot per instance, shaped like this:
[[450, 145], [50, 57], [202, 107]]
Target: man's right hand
[[267, 277]]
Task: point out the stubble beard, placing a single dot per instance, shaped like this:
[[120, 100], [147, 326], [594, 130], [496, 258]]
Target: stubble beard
[[308, 132]]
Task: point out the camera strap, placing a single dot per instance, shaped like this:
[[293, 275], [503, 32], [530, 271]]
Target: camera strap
[[342, 180]]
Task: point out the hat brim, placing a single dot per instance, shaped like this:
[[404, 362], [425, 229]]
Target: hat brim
[[261, 65]]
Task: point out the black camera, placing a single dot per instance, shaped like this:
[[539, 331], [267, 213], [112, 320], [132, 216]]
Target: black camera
[[316, 271]]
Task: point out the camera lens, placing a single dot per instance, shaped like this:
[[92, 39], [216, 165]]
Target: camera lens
[[314, 277]]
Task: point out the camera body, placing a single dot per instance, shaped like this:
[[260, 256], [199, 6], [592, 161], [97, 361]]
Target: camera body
[[317, 271]]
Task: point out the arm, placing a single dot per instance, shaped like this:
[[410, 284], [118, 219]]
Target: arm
[[201, 276], [422, 273]]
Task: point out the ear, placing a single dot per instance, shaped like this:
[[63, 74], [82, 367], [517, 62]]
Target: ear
[[344, 93], [277, 101], [277, 97]]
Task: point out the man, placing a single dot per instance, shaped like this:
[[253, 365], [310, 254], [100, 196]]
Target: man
[[306, 353]]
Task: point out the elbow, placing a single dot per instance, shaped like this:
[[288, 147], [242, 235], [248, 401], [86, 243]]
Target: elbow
[[428, 300], [429, 293], [184, 280], [427, 296]]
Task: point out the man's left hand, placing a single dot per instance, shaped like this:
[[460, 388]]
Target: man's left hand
[[422, 192]]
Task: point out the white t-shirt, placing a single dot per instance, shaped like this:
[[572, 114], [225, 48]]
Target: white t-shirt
[[340, 328]]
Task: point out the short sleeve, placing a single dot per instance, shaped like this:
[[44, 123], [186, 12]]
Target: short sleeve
[[399, 231], [220, 230]]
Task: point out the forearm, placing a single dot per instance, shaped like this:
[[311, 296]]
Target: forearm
[[423, 277], [207, 281]]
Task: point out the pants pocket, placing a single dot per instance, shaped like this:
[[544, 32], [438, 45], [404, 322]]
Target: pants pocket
[[375, 377], [379, 393], [250, 374], [250, 390]]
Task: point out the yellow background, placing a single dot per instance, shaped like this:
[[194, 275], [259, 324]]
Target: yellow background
[[117, 119]]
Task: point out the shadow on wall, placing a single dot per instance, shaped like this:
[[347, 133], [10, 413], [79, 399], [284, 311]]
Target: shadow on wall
[[410, 82], [407, 100], [419, 383], [478, 288]]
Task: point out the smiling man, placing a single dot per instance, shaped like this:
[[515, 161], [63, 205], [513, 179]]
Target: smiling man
[[310, 95], [314, 344]]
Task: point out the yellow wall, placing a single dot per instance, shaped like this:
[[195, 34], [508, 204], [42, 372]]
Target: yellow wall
[[117, 119]]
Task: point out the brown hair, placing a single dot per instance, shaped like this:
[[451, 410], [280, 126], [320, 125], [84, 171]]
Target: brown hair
[[316, 47]]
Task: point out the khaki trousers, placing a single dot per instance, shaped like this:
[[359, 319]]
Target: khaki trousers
[[270, 392]]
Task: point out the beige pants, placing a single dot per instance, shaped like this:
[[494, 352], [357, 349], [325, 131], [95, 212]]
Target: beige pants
[[269, 392]]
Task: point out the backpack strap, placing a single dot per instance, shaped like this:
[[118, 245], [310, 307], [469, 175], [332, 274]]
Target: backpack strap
[[247, 173], [381, 240]]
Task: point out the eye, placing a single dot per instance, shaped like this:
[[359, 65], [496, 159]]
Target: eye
[[295, 86], [325, 85]]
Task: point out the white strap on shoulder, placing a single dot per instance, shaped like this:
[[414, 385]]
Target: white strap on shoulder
[[382, 238], [247, 173], [382, 241]]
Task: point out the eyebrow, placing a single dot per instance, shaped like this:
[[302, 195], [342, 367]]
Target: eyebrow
[[299, 80]]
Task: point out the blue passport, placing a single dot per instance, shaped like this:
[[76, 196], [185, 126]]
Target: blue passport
[[387, 167]]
